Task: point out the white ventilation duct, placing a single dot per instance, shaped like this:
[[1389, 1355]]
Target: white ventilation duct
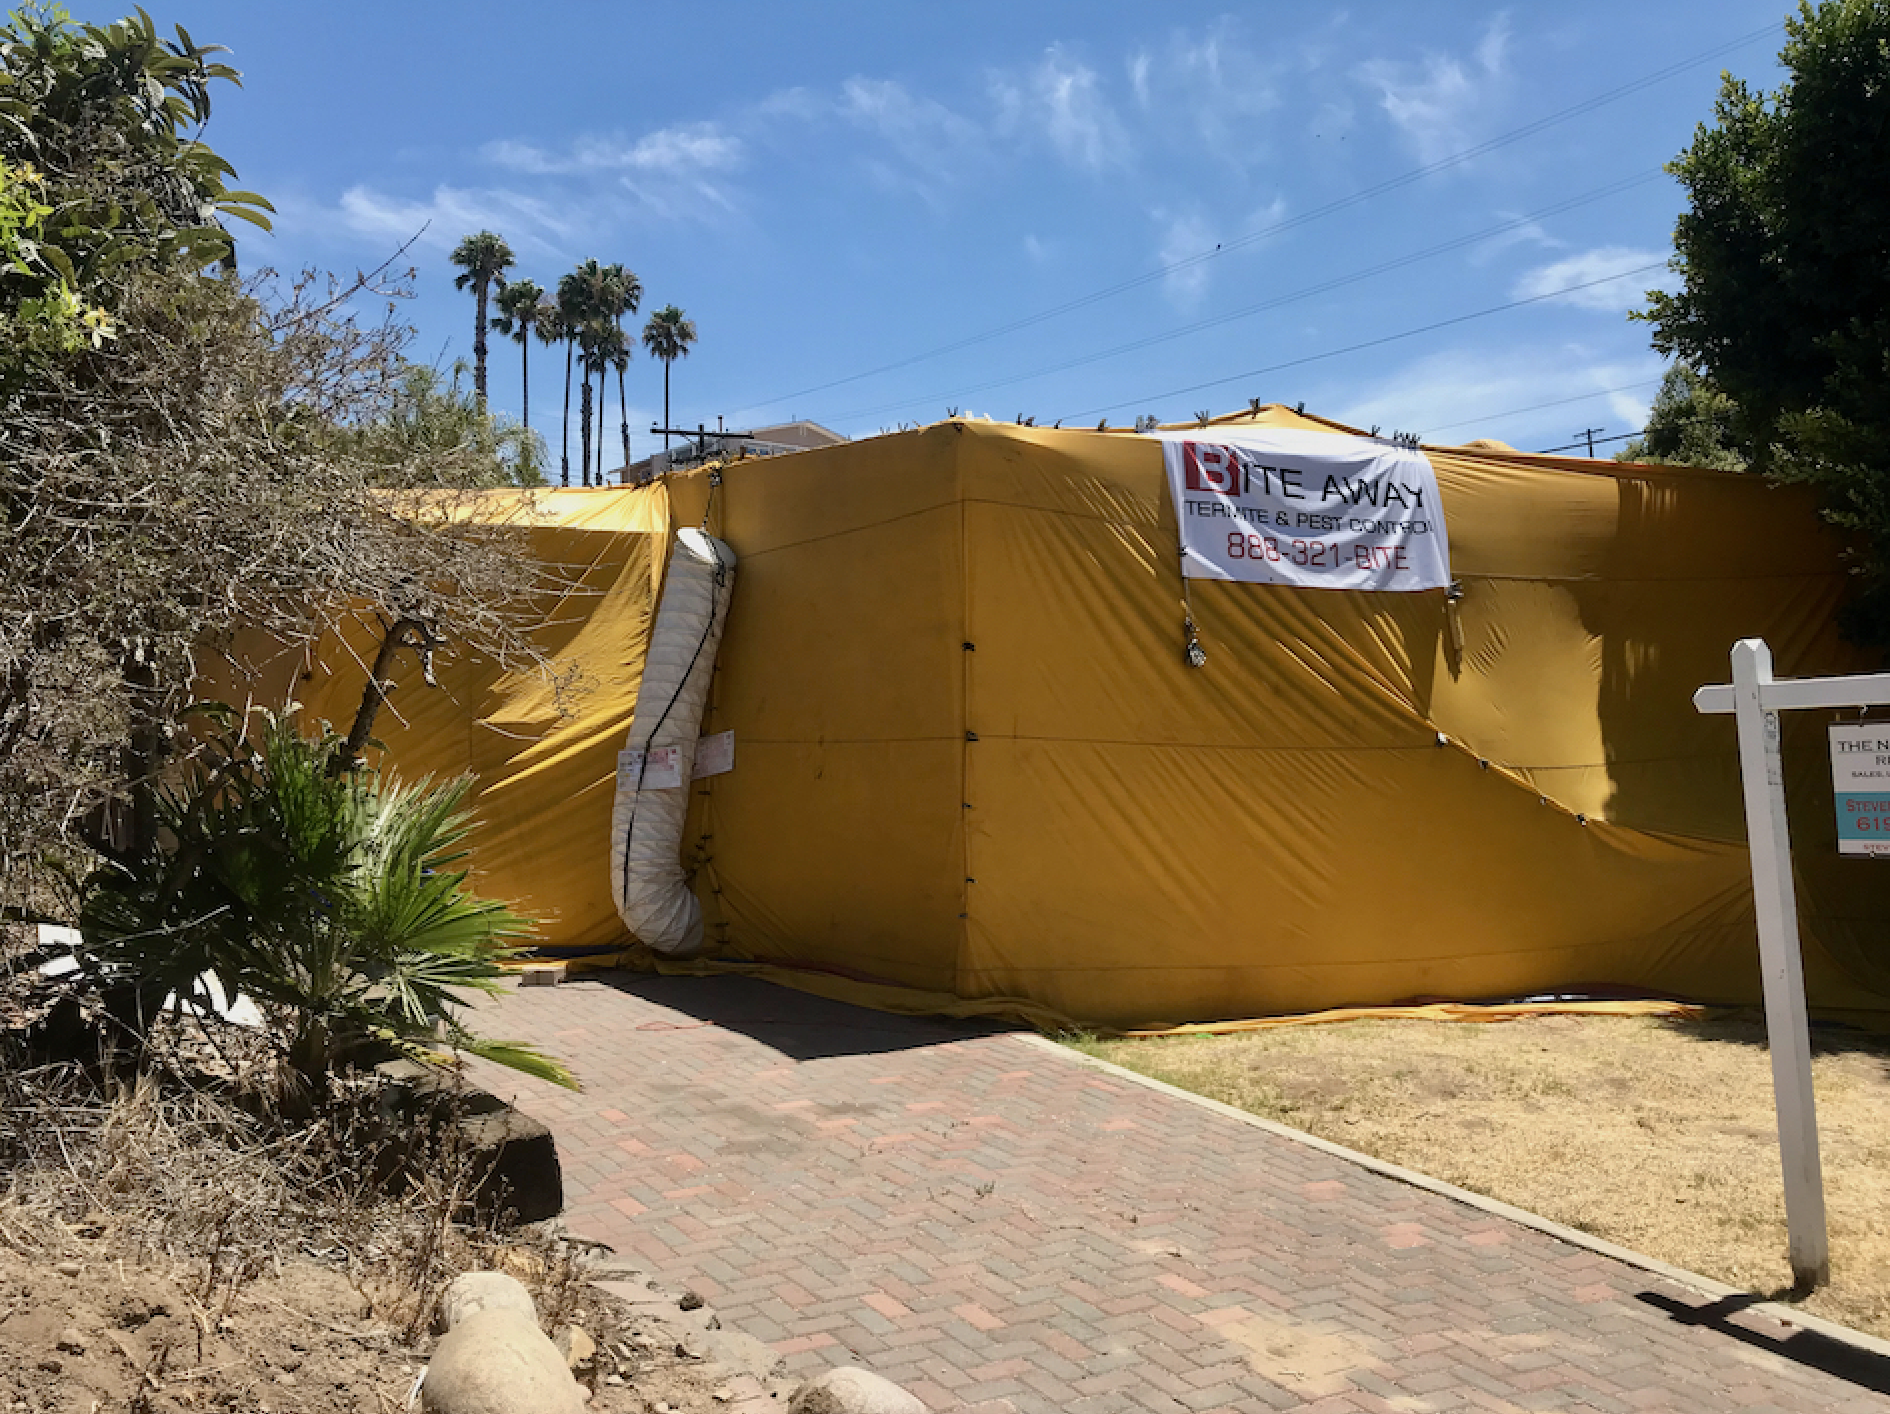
[[652, 802]]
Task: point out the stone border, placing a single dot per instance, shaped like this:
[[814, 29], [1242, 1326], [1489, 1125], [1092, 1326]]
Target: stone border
[[1717, 1290]]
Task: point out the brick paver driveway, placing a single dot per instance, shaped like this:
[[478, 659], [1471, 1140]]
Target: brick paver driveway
[[997, 1227]]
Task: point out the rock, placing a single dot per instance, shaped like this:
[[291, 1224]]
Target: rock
[[521, 1262], [741, 1353], [689, 1301], [71, 1341], [513, 1155], [577, 1348], [519, 1159], [849, 1390], [469, 1294], [497, 1362], [68, 1269]]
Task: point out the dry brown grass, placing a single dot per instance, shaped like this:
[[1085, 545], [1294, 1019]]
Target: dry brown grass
[[1655, 1134]]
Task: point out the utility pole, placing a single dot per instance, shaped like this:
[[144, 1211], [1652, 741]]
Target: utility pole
[[1589, 434]]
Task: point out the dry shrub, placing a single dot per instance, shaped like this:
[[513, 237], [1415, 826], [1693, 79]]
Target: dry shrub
[[214, 1188]]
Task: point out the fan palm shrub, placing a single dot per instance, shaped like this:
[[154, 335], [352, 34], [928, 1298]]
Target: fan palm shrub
[[332, 896]]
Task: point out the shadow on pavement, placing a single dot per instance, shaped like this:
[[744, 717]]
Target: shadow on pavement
[[799, 1025], [1834, 1357]]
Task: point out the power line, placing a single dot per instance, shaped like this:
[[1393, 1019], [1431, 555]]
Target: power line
[[1590, 443], [1317, 213], [1248, 311], [1538, 407], [1366, 344]]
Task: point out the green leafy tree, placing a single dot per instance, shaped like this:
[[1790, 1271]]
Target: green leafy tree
[[110, 116], [483, 260], [336, 900], [432, 417], [1784, 258], [182, 454], [101, 177], [668, 336], [519, 306], [1692, 423]]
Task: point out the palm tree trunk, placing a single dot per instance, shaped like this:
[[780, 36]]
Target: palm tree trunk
[[584, 425], [479, 343], [525, 373], [623, 411], [564, 457], [666, 364], [603, 391]]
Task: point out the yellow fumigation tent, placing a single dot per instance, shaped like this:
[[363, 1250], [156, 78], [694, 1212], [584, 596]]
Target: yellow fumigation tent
[[974, 769]]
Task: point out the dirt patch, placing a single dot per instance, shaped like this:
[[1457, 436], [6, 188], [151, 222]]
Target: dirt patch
[[162, 1249], [1653, 1133], [110, 1329]]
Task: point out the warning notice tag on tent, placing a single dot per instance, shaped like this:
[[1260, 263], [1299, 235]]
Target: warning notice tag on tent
[[1312, 509], [1860, 778], [662, 771], [715, 754]]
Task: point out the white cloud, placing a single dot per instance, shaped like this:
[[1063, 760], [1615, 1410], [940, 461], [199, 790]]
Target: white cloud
[[1520, 233], [1186, 237], [1438, 100], [1139, 65], [1061, 99], [672, 173], [1205, 89], [931, 146], [686, 152], [1619, 290], [440, 220], [1532, 395]]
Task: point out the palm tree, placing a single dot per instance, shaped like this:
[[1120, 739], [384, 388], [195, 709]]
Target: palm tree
[[598, 296], [518, 312], [668, 336], [482, 260], [629, 294], [554, 327], [610, 348], [578, 297]]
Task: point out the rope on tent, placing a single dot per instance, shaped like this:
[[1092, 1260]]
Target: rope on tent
[[708, 505]]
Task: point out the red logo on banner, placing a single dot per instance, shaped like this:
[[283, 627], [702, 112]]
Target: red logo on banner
[[1211, 468]]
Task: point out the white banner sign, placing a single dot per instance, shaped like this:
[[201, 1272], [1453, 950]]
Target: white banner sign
[[1316, 510], [1860, 779]]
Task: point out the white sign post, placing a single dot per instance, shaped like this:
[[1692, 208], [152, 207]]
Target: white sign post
[[1755, 698]]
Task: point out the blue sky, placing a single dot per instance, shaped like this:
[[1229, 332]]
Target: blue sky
[[877, 213]]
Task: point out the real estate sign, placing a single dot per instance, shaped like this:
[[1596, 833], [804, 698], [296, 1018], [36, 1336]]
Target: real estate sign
[[1860, 779]]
